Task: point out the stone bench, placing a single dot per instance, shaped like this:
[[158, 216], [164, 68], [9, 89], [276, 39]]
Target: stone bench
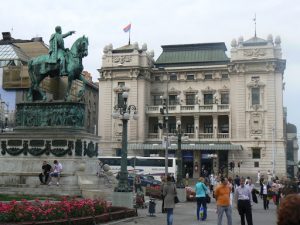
[[32, 178]]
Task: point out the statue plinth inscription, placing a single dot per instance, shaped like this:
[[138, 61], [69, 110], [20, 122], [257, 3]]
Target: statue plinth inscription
[[50, 115]]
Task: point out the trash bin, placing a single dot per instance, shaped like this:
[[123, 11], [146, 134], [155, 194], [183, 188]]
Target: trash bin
[[152, 205]]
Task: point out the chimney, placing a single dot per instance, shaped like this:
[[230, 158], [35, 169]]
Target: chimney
[[6, 36]]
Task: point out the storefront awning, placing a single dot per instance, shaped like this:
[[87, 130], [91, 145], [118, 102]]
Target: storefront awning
[[216, 147]]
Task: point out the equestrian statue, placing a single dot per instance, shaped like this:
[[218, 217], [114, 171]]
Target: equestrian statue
[[59, 62]]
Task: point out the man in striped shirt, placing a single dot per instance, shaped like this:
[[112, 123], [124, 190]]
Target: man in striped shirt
[[243, 200]]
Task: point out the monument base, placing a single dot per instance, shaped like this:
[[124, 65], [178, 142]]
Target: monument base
[[123, 199], [181, 194]]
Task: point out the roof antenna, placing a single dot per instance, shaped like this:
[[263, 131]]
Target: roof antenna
[[254, 19]]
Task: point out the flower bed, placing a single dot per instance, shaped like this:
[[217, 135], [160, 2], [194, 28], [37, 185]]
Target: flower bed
[[85, 211]]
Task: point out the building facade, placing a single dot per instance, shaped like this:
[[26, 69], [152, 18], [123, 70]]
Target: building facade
[[230, 109]]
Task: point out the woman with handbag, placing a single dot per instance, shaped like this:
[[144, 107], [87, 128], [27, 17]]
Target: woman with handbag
[[201, 191], [169, 193]]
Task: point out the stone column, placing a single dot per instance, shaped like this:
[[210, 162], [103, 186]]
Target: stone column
[[196, 126], [215, 126]]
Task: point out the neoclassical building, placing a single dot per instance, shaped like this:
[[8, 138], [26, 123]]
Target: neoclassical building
[[230, 109]]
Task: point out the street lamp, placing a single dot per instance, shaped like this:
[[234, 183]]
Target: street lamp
[[164, 111], [124, 112], [180, 183]]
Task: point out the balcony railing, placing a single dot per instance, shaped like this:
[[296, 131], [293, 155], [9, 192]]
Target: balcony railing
[[206, 135], [223, 135], [191, 136], [189, 108], [153, 135]]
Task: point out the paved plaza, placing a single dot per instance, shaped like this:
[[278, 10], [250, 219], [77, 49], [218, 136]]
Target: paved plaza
[[185, 214]]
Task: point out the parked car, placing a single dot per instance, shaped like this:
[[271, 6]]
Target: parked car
[[146, 180]]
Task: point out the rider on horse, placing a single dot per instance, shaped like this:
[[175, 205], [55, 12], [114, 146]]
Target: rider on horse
[[57, 49]]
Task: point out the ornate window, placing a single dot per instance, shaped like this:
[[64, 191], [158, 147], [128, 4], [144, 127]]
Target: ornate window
[[156, 100], [225, 98], [208, 98], [190, 128], [173, 100], [255, 96], [208, 77], [190, 77], [173, 76], [208, 127], [256, 153], [225, 76], [190, 99]]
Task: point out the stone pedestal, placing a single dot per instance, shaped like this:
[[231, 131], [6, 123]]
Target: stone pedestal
[[181, 194], [124, 199]]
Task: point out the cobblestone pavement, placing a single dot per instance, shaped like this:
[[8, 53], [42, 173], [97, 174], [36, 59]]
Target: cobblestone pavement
[[185, 214]]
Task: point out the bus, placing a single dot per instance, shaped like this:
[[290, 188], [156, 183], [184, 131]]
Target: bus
[[154, 166]]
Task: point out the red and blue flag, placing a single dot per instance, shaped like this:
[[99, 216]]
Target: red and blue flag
[[127, 28]]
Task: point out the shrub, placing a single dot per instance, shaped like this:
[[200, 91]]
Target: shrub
[[43, 211]]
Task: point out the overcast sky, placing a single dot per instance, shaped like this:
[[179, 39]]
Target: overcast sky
[[163, 22]]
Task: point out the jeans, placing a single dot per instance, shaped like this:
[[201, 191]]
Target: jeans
[[169, 216], [201, 201], [227, 210]]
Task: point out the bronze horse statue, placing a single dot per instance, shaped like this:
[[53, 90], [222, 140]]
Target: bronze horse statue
[[39, 68]]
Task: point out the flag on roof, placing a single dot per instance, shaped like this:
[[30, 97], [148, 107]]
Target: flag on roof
[[127, 28]]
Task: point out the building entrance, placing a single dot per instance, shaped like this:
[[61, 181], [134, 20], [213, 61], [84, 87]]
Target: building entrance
[[188, 159], [206, 164]]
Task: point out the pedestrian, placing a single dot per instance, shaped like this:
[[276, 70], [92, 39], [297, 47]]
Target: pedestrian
[[230, 184], [288, 213], [243, 200], [258, 176], [276, 190], [222, 194], [56, 172], [201, 191], [237, 181], [169, 193], [269, 176], [261, 183], [265, 192], [163, 182], [46, 168], [137, 183]]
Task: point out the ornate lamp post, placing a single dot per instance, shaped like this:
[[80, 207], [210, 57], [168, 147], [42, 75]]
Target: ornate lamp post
[[124, 112], [180, 183]]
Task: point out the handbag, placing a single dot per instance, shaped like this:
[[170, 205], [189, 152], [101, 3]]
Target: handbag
[[176, 200], [207, 198]]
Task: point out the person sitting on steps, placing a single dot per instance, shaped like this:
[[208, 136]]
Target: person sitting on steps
[[56, 172], [46, 168]]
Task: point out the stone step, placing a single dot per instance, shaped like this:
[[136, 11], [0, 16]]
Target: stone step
[[42, 190]]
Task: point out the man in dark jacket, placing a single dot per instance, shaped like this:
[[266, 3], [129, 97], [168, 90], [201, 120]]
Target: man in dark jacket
[[46, 168]]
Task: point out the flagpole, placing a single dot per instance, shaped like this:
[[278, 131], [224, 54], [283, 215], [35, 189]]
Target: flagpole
[[129, 37]]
